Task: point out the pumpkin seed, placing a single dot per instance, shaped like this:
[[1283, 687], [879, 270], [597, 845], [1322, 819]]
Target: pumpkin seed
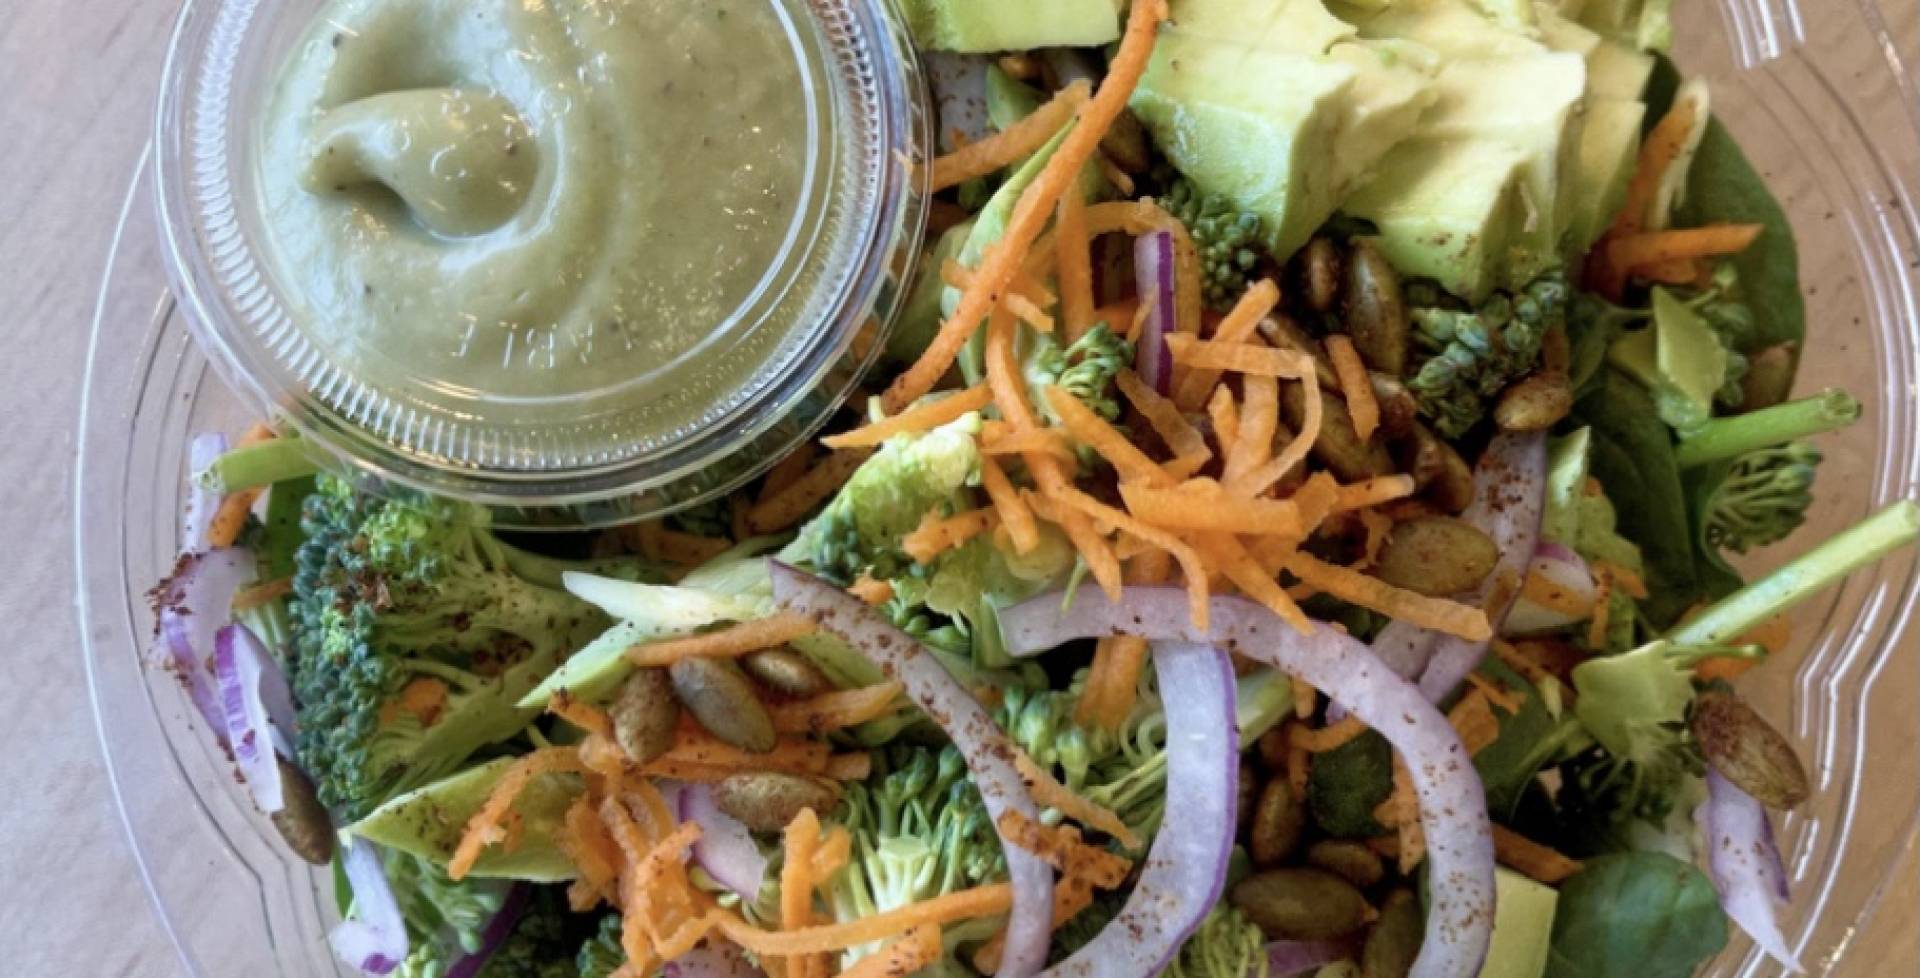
[[765, 801], [1301, 904], [1351, 860], [1398, 410], [1535, 403], [721, 697], [1394, 941], [1747, 751], [787, 671], [1769, 378], [1436, 556], [1248, 791], [1278, 821], [1339, 447], [1439, 473], [1338, 969], [1322, 273], [645, 714], [1126, 144], [303, 821], [1376, 311]]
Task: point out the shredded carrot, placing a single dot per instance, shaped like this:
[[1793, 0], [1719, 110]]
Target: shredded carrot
[[249, 598], [936, 535], [784, 473], [1545, 592], [1260, 480], [1355, 385], [1190, 565], [484, 828], [737, 507], [656, 542], [1379, 528], [586, 716], [1661, 147], [908, 955], [230, 517], [1002, 149], [1014, 513], [1034, 207], [1225, 415], [1472, 718], [836, 710], [1238, 327], [1093, 431], [1306, 699], [1528, 667], [1259, 420], [1062, 848], [730, 642], [871, 591], [1635, 251], [1299, 765], [920, 417], [1243, 358], [1119, 316], [1624, 578], [801, 840], [980, 901], [1246, 573], [1189, 508], [1602, 610], [1496, 693], [1113, 682], [1188, 445], [1530, 858], [1049, 793], [836, 847], [793, 755], [787, 506], [1677, 271], [591, 850], [1024, 309], [1024, 284], [1372, 593], [1075, 266], [1045, 441], [1373, 492], [1330, 737]]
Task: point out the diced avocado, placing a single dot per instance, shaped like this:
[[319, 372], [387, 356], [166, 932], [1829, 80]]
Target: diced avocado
[[1444, 209], [1562, 33], [1522, 927], [1294, 26], [983, 26], [1680, 359], [1615, 70], [1393, 89], [1609, 145], [1253, 125], [429, 822], [1454, 29], [1514, 15]]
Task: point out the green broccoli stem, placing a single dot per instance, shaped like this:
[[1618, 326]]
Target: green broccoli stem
[[1723, 439], [1867, 541], [1261, 701], [261, 464]]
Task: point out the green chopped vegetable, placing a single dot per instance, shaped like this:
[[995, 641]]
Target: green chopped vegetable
[[1471, 355]]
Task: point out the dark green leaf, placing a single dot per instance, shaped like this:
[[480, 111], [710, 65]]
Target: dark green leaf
[[1633, 459], [1348, 783], [1717, 579], [1508, 764], [1635, 915]]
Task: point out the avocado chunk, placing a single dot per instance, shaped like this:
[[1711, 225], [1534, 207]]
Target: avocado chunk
[[1303, 27], [1444, 208], [1609, 145], [984, 26], [1522, 927]]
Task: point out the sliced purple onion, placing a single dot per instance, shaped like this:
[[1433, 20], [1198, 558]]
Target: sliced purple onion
[[1509, 497], [959, 83], [1186, 869], [252, 689], [1153, 272], [374, 937], [1288, 958], [1744, 863], [191, 605], [1453, 803], [726, 849], [1565, 570], [716, 959], [498, 929], [202, 452], [988, 753]]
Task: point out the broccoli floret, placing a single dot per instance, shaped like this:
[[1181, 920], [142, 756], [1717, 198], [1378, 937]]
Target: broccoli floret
[[1226, 945], [1473, 354], [602, 955], [413, 638], [1763, 498], [1227, 238], [538, 947], [1085, 369]]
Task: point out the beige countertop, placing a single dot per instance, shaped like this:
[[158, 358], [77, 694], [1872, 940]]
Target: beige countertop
[[76, 83]]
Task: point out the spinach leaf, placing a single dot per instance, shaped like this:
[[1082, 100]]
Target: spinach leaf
[[1347, 783], [1633, 459], [1527, 741], [1635, 915]]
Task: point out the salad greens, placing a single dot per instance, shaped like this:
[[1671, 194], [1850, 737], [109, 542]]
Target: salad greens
[[1450, 340]]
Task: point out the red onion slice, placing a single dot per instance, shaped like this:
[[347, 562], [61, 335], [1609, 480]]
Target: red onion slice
[[1153, 274], [498, 929], [1453, 803], [1187, 868], [726, 849], [959, 83], [1744, 863], [1288, 958], [374, 938], [252, 690], [988, 753], [191, 605], [1509, 497], [202, 452], [1564, 569], [718, 959]]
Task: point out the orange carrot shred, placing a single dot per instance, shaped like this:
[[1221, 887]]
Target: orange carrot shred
[[1014, 513], [729, 642], [1190, 565], [1046, 441], [1403, 605], [1050, 793], [1530, 858], [1330, 737], [1225, 415], [785, 473], [1244, 358], [936, 535], [980, 901], [1260, 480], [908, 955], [484, 828], [837, 710], [1075, 266], [1259, 419], [787, 506], [920, 417], [1237, 327], [1635, 251], [1189, 446], [1002, 149], [1355, 385], [1094, 432]]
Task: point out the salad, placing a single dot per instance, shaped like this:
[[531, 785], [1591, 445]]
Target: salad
[[1286, 533]]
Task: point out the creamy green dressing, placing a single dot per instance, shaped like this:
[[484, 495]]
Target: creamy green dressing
[[527, 199]]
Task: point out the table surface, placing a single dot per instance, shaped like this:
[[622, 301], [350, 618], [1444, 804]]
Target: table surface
[[76, 82]]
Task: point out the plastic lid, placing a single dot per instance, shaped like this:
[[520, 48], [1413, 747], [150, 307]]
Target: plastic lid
[[737, 351]]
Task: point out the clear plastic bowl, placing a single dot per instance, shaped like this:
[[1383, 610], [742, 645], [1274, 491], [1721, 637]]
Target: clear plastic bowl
[[568, 431], [1816, 95]]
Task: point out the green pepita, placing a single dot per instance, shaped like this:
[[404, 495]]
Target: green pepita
[[1350, 860], [1535, 403], [765, 801], [303, 822], [1747, 751], [722, 698], [1437, 556], [645, 714], [1278, 820], [1321, 271], [787, 671], [1394, 941], [1301, 904], [1376, 313]]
